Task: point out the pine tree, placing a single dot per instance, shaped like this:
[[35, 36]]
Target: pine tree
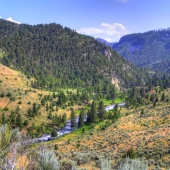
[[92, 114], [102, 112], [89, 117], [63, 119], [34, 108], [81, 118], [3, 118], [17, 110], [73, 119], [19, 121], [54, 133], [163, 96], [30, 114], [113, 92], [116, 113]]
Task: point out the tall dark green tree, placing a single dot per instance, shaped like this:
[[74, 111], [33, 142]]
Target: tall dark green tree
[[73, 119], [116, 112], [102, 112], [163, 96], [34, 108], [112, 92], [81, 118], [3, 118], [17, 110], [92, 116], [54, 133], [19, 121], [63, 119]]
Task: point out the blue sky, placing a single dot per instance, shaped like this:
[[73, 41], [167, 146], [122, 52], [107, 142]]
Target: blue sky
[[107, 19]]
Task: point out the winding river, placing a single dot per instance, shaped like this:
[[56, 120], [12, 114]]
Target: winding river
[[67, 128]]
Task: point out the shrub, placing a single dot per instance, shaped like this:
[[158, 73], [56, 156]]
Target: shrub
[[105, 164], [46, 160], [133, 164], [19, 102], [5, 109], [55, 147], [2, 95], [9, 95], [67, 165], [26, 123]]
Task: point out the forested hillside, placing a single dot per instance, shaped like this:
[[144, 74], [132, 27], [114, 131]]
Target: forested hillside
[[58, 57], [150, 49]]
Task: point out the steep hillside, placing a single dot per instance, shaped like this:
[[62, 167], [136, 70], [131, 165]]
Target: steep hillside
[[60, 57], [36, 107], [150, 49]]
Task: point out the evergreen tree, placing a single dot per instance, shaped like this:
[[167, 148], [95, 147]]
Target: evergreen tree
[[134, 92], [116, 113], [26, 123], [3, 118], [34, 108], [73, 119], [113, 92], [102, 112], [17, 110], [81, 118], [163, 96], [142, 112], [19, 121], [30, 114], [92, 114], [54, 133], [152, 97], [63, 119], [156, 100], [89, 117]]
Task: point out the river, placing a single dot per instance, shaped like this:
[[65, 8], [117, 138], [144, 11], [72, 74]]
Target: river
[[67, 128]]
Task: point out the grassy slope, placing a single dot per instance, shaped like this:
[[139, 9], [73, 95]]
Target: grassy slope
[[19, 86], [148, 135]]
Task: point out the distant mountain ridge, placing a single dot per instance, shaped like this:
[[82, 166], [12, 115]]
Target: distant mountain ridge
[[110, 44], [150, 49]]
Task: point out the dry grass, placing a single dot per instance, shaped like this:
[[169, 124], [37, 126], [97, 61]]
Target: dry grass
[[148, 135], [19, 86]]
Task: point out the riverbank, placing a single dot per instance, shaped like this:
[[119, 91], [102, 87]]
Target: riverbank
[[67, 128]]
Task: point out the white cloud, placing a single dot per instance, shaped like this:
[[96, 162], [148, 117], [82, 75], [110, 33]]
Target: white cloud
[[0, 17], [108, 39], [116, 30], [91, 30], [10, 19]]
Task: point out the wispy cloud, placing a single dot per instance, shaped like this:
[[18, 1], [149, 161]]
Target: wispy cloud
[[123, 1], [12, 20], [0, 17], [117, 30], [108, 39]]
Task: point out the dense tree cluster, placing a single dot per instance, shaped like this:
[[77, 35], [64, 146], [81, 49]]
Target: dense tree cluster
[[60, 57]]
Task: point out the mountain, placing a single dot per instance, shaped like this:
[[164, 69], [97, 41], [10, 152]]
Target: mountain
[[110, 44], [150, 49], [59, 57]]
